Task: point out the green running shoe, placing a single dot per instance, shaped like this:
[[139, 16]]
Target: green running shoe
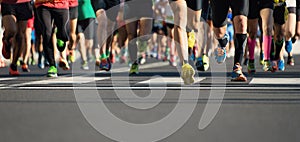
[[134, 69], [52, 72]]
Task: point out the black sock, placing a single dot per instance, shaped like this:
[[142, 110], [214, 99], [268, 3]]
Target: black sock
[[278, 47], [223, 41], [272, 56], [240, 44], [13, 67]]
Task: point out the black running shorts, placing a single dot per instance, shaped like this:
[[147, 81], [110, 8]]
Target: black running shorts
[[110, 6], [22, 11], [220, 10], [256, 5], [87, 27], [73, 12]]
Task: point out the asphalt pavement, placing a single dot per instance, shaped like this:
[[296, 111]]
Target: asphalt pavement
[[34, 108]]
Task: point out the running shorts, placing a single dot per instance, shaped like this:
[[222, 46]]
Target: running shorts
[[110, 6], [73, 12], [220, 10], [87, 27], [22, 11], [256, 5]]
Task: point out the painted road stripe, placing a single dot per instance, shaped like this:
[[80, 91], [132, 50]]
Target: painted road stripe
[[274, 81], [161, 81], [151, 88], [4, 79], [147, 66], [63, 80]]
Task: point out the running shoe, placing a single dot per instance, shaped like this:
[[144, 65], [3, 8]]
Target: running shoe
[[288, 46], [60, 45], [25, 68], [187, 74], [64, 64], [191, 39], [274, 66], [71, 56], [142, 59], [291, 61], [13, 70], [98, 62], [220, 55], [85, 65], [220, 52], [6, 52], [267, 66], [205, 60], [173, 61], [199, 64], [237, 73], [52, 71], [261, 58], [134, 69], [281, 65], [251, 67], [41, 65], [105, 65]]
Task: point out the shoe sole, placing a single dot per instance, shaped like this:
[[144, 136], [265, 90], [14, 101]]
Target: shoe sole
[[239, 79], [52, 75], [188, 79]]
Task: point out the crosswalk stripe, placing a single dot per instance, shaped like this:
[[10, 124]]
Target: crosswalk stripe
[[63, 80], [154, 88], [158, 81], [274, 81], [4, 79], [153, 83]]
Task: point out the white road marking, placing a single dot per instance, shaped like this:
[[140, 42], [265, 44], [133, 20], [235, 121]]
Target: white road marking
[[150, 88], [274, 81], [63, 80], [147, 66], [168, 80], [4, 79]]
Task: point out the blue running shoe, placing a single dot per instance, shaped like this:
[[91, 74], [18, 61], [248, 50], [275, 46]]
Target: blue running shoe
[[281, 65], [288, 46], [105, 65], [220, 52]]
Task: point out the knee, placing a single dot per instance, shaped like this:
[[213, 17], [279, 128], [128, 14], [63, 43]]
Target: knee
[[241, 22], [252, 34], [267, 30]]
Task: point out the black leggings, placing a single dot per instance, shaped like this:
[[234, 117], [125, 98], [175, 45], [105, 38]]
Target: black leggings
[[61, 20]]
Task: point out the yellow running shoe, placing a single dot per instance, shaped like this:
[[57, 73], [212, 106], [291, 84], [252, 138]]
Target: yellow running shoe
[[187, 74], [191, 39], [72, 56]]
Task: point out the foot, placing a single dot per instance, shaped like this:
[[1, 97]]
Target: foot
[[64, 64], [134, 69], [187, 74], [52, 71], [237, 73]]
